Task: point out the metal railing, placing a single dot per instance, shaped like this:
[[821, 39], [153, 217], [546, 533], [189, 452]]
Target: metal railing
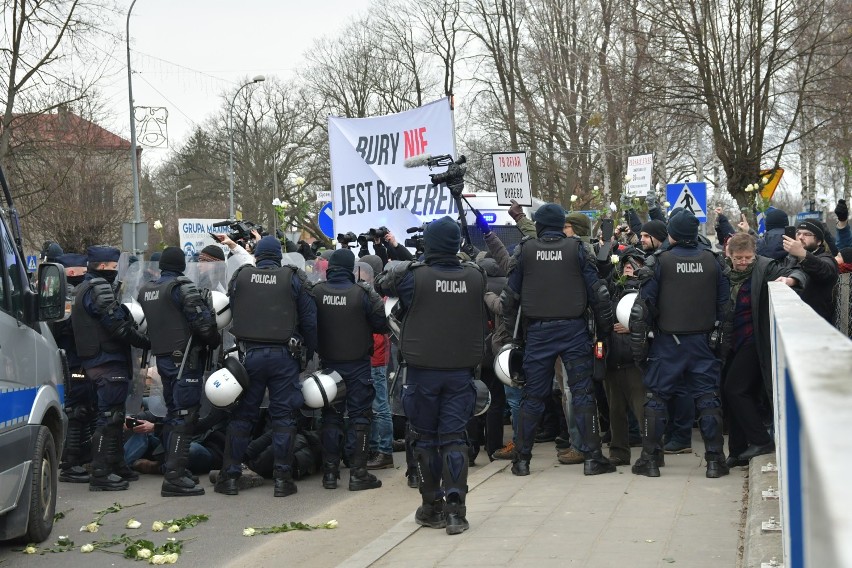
[[812, 379]]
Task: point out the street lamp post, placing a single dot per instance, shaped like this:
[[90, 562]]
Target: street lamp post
[[137, 214], [176, 199], [257, 79]]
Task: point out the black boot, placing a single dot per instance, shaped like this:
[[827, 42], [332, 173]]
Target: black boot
[[330, 474], [431, 514], [228, 483], [455, 513], [284, 484], [412, 479], [359, 478], [102, 478], [716, 466], [521, 465], [71, 469], [175, 481], [646, 465], [597, 464]]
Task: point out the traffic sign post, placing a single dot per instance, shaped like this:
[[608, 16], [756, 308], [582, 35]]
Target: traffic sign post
[[32, 263], [325, 220], [689, 196]]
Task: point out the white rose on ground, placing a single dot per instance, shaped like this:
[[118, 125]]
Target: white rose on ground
[[87, 548], [171, 558], [157, 526], [174, 528], [143, 553], [332, 524], [249, 532], [157, 559], [30, 550], [133, 524]]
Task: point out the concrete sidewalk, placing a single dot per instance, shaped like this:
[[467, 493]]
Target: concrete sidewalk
[[556, 516]]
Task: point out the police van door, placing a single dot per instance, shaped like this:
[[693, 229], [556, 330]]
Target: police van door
[[19, 367]]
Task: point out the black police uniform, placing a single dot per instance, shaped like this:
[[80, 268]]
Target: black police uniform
[[439, 394], [181, 327], [687, 296], [103, 334], [271, 307], [553, 281], [80, 396], [347, 316]]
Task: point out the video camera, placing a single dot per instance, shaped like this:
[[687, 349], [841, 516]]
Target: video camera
[[453, 177], [416, 240], [346, 238], [240, 232]]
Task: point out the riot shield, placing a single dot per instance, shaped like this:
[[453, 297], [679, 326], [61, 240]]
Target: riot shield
[[132, 276], [293, 259]]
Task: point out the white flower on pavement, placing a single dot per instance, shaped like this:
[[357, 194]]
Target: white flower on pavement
[[91, 527], [332, 524], [157, 559], [171, 558], [157, 526], [133, 524], [174, 528], [249, 532], [143, 553], [30, 550], [87, 548]]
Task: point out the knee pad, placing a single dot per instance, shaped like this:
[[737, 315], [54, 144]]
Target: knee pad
[[709, 402], [114, 415], [578, 370], [455, 464], [655, 403]]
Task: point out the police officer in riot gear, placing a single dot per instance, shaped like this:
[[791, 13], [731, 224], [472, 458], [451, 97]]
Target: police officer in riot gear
[[181, 327], [684, 301], [439, 394], [273, 313], [103, 334], [553, 280], [80, 396], [347, 316]]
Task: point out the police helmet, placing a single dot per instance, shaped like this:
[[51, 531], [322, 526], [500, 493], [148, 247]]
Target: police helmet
[[138, 315], [483, 398], [225, 386], [622, 310], [391, 312], [508, 365], [323, 388], [221, 306]]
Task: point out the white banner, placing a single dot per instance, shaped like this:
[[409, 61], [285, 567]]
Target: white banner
[[512, 178], [370, 185], [640, 169], [194, 234]]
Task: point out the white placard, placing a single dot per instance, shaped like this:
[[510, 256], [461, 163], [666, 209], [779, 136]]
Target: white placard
[[512, 178], [370, 186], [640, 169], [323, 196], [194, 234]]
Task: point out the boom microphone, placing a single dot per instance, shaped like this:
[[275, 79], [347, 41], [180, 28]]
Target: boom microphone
[[222, 224], [413, 230], [417, 161]]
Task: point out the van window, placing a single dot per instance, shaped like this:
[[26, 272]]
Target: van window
[[11, 289]]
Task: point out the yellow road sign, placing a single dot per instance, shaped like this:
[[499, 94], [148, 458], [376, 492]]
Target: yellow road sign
[[774, 177]]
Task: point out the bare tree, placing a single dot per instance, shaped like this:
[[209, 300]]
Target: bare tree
[[743, 68], [36, 74]]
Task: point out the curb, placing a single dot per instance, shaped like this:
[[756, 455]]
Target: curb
[[761, 546], [407, 527]]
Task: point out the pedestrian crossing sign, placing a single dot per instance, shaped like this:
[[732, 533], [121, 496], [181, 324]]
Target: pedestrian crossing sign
[[32, 261], [689, 196]]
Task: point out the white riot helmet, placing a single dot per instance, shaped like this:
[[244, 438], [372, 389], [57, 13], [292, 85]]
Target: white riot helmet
[[622, 310], [323, 388], [508, 365], [483, 398], [138, 316], [221, 306], [225, 386], [392, 313]]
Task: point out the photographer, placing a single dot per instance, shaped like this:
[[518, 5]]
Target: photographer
[[396, 251], [238, 256]]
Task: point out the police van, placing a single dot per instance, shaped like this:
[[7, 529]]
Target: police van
[[33, 371]]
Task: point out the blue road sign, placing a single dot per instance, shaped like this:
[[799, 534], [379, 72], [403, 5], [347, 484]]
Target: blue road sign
[[32, 263], [690, 196], [808, 215], [325, 220], [592, 214]]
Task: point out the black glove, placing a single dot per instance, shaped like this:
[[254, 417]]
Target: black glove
[[842, 211]]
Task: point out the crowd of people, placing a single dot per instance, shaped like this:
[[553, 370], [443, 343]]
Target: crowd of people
[[613, 343]]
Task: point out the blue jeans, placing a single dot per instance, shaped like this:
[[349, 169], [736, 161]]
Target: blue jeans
[[138, 446], [381, 433], [513, 400]]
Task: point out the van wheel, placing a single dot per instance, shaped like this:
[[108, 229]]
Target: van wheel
[[44, 478]]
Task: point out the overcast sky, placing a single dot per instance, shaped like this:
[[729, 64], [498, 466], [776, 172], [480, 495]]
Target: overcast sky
[[186, 53]]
